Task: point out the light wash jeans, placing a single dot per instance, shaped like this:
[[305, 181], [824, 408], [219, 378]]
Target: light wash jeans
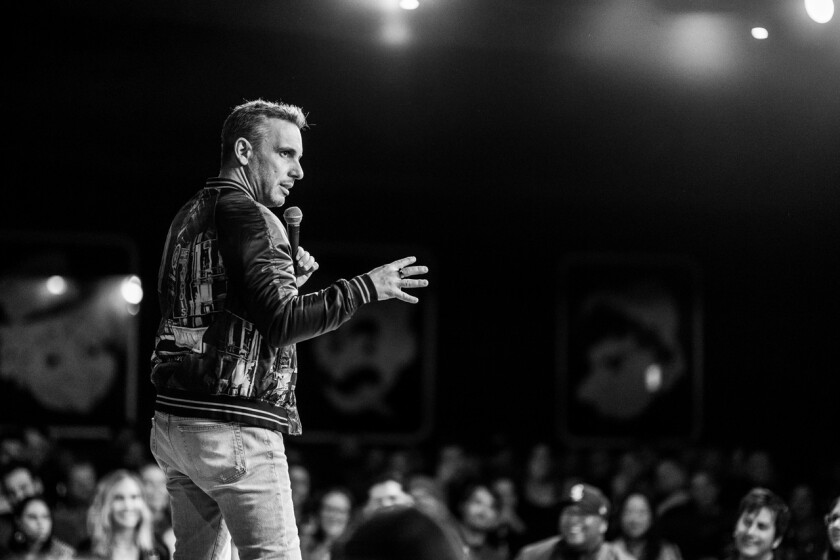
[[226, 480]]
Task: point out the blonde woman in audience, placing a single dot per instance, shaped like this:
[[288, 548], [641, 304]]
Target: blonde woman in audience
[[120, 523]]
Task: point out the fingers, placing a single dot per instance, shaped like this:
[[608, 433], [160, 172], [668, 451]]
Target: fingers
[[305, 261], [402, 296], [407, 271], [404, 262]]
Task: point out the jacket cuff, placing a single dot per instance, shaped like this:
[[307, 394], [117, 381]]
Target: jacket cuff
[[365, 288]]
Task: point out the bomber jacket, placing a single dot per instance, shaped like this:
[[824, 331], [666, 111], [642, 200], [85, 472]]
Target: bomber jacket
[[231, 312]]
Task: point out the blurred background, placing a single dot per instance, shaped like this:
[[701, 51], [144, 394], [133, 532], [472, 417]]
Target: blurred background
[[674, 162]]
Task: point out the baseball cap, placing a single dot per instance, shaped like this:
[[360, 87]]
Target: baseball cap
[[588, 499]]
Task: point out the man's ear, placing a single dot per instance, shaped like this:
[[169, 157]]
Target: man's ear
[[242, 151]]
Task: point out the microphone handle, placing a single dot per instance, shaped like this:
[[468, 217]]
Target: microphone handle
[[294, 241]]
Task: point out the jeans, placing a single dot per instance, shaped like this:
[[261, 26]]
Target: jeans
[[226, 480]]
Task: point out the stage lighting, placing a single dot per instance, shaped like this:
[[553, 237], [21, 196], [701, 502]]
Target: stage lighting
[[131, 290], [820, 11], [409, 4], [56, 285], [759, 33]]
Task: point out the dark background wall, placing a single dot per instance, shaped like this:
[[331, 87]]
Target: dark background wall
[[504, 136]]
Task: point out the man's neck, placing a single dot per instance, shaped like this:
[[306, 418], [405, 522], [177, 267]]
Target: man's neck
[[238, 173]]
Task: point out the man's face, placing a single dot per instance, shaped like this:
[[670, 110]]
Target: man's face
[[581, 531], [275, 164], [19, 485], [386, 494], [755, 533]]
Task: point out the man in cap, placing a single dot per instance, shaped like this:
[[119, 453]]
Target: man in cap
[[583, 523]]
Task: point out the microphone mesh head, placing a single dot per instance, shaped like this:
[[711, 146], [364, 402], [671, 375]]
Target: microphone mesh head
[[293, 215]]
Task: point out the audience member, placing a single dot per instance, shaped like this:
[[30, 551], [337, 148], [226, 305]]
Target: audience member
[[301, 483], [330, 522], [475, 508], [804, 538], [17, 482], [583, 525], [670, 485], [762, 521], [512, 528], [700, 527], [75, 493], [832, 523], [638, 534], [427, 495], [157, 498], [400, 533], [539, 504], [386, 491], [120, 523], [33, 538]]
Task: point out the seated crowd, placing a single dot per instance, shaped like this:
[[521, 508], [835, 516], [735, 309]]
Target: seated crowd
[[448, 502]]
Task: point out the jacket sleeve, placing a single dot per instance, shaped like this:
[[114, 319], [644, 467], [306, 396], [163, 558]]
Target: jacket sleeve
[[256, 254]]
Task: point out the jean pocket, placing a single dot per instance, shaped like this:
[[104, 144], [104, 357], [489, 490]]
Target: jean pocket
[[214, 451]]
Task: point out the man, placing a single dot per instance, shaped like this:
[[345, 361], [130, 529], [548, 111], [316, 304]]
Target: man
[[386, 491], [763, 519], [18, 482], [583, 524], [224, 364]]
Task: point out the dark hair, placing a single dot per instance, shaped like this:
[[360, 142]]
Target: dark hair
[[19, 541], [400, 533], [461, 493], [759, 498], [249, 121], [652, 538], [318, 503]]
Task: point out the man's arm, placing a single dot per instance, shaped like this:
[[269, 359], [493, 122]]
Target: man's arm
[[256, 254]]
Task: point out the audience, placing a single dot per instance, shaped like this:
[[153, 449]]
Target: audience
[[638, 534], [75, 491], [832, 523], [475, 508], [17, 482], [120, 523], [331, 519], [33, 538], [386, 491], [694, 488], [763, 519], [584, 514]]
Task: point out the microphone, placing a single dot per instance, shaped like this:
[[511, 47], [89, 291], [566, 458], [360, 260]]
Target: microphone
[[293, 217]]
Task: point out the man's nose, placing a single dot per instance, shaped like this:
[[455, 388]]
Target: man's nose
[[297, 172]]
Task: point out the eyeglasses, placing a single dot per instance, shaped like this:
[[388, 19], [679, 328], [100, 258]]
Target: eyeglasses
[[831, 518]]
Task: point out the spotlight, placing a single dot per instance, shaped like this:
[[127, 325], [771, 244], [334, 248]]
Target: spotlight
[[759, 33], [820, 11], [409, 4], [56, 285], [131, 290]]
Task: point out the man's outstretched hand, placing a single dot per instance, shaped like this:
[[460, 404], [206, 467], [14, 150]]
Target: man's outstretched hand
[[391, 279]]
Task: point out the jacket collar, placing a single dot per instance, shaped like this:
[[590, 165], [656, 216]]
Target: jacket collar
[[237, 179]]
